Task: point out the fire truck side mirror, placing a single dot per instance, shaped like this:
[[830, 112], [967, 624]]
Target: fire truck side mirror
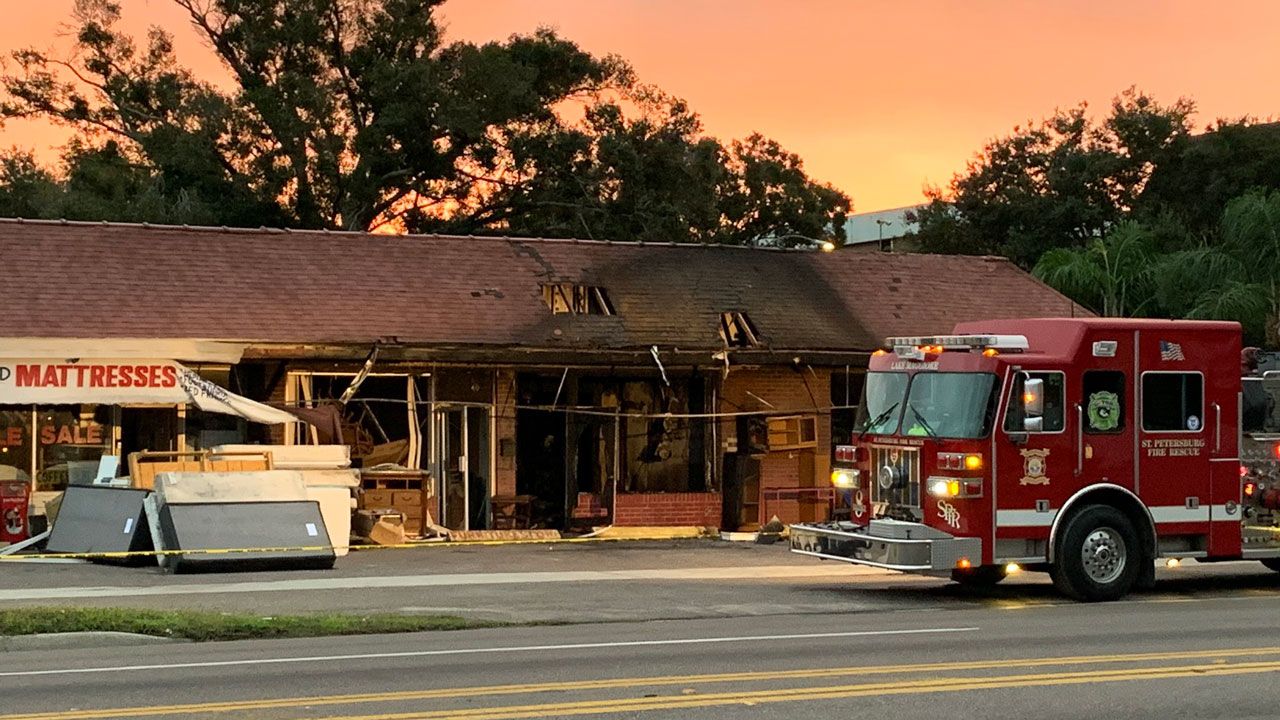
[[1033, 401]]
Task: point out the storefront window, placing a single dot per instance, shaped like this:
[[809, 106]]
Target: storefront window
[[71, 441], [15, 444]]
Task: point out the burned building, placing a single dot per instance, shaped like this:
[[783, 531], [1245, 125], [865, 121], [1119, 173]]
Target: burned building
[[550, 383]]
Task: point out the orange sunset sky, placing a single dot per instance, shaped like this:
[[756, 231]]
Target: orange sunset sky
[[879, 97]]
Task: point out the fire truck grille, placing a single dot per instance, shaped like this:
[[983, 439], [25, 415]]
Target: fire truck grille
[[895, 479]]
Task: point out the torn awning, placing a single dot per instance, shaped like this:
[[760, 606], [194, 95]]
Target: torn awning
[[123, 382]]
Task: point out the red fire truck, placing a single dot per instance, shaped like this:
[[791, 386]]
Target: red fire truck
[[1087, 448]]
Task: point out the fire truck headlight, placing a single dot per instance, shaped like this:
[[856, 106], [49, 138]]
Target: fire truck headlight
[[845, 479], [1012, 569], [942, 487]]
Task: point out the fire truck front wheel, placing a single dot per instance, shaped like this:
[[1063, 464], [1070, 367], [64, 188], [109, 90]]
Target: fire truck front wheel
[[1099, 556]]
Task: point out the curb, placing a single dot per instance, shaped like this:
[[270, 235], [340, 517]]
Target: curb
[[80, 641]]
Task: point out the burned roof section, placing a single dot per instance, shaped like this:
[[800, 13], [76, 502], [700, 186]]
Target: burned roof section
[[65, 279]]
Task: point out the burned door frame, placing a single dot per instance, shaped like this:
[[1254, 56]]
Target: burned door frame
[[441, 455]]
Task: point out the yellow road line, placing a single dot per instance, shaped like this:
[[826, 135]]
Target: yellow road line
[[617, 683], [759, 697]]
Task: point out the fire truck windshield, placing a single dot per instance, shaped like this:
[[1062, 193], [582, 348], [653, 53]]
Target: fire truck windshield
[[951, 405], [940, 404], [882, 400]]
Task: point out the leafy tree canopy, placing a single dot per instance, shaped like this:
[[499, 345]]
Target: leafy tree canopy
[[357, 114], [1060, 183], [1131, 272]]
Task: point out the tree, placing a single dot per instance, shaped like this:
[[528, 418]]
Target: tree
[[1061, 183], [1113, 275], [357, 114], [773, 202], [1237, 279], [1209, 170], [609, 176], [653, 175], [26, 189], [344, 114]]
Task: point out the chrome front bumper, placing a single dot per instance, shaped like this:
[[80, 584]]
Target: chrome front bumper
[[890, 544]]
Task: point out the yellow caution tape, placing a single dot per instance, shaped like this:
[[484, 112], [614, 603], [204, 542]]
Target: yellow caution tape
[[310, 548]]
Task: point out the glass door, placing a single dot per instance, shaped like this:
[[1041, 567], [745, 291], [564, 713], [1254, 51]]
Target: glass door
[[451, 444], [462, 460]]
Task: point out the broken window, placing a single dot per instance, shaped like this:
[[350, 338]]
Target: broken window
[[380, 422], [573, 299], [737, 331], [793, 432]]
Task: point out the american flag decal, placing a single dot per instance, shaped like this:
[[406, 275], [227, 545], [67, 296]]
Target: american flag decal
[[1171, 351]]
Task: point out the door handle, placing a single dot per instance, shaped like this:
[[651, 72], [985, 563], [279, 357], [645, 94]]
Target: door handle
[[1217, 431], [1079, 439]]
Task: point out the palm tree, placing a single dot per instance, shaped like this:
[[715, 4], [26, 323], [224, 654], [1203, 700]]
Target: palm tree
[[1237, 279], [1114, 274]]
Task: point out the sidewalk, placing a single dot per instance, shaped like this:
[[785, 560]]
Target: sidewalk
[[524, 583]]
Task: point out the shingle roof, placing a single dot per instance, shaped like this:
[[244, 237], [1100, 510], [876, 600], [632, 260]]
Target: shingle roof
[[119, 280]]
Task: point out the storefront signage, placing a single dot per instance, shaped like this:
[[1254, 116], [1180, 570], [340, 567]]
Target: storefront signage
[[41, 382], [91, 434], [123, 382], [38, 375]]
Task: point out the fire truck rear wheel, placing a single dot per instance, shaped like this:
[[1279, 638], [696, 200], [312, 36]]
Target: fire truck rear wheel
[[980, 577], [1099, 556]]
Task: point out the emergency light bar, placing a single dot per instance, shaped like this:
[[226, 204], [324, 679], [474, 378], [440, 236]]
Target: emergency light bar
[[962, 342]]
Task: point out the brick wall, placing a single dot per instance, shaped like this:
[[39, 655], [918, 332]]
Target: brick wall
[[789, 393], [504, 413], [667, 509]]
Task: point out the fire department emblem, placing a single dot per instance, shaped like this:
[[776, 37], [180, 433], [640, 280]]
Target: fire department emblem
[[949, 514], [1034, 463], [1104, 411]]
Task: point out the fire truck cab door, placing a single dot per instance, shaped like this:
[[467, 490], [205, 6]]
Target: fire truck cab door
[[1104, 419]]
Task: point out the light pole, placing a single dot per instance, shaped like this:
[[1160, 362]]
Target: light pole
[[881, 222]]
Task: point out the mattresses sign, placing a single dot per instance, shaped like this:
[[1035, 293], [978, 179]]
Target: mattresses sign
[[122, 382]]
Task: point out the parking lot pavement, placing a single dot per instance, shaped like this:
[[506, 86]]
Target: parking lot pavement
[[595, 582], [573, 583], [436, 559]]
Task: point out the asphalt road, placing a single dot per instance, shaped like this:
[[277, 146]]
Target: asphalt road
[[1204, 644], [606, 582]]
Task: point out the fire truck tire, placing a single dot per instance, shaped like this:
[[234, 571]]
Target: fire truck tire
[[1099, 557], [980, 577], [1272, 564]]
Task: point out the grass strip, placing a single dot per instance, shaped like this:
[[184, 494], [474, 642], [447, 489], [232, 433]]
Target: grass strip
[[206, 626]]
